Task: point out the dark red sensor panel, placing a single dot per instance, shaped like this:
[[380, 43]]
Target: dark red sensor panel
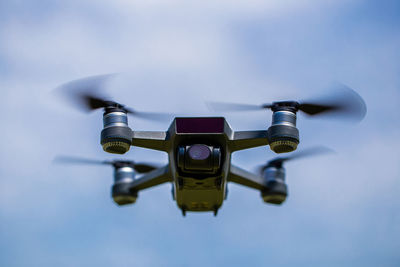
[[200, 125]]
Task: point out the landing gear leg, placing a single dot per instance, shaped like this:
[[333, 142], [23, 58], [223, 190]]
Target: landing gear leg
[[183, 211], [215, 211]]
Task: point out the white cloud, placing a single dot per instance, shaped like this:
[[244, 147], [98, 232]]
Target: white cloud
[[187, 52]]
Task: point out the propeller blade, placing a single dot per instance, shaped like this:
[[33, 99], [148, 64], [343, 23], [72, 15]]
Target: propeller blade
[[223, 106], [148, 115], [277, 162], [93, 102], [143, 167], [85, 93], [78, 160], [314, 109], [309, 152], [343, 102], [139, 167]]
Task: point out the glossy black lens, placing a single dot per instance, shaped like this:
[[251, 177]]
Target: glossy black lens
[[199, 152]]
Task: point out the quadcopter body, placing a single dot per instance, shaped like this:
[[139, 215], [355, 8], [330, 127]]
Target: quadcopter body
[[200, 148], [199, 152]]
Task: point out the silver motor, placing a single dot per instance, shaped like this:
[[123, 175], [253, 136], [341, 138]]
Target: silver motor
[[273, 172], [283, 135], [124, 175], [276, 188], [116, 136]]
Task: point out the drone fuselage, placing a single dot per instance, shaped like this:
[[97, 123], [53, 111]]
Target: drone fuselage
[[199, 180], [199, 154], [199, 148], [199, 184]]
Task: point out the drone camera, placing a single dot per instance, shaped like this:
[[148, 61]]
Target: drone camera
[[283, 134], [199, 158], [121, 192], [116, 136], [275, 191]]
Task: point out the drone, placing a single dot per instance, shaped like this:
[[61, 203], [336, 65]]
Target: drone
[[200, 148]]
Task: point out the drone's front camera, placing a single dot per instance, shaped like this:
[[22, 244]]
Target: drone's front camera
[[116, 137], [283, 135], [199, 158]]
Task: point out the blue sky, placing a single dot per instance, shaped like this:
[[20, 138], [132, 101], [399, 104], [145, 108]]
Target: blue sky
[[343, 209]]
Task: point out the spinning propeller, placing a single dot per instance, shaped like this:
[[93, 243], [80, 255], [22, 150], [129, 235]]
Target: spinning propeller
[[85, 93], [344, 101], [278, 162], [139, 167]]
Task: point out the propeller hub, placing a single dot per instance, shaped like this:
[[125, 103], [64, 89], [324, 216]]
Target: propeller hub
[[291, 106], [121, 164], [111, 106], [276, 163]]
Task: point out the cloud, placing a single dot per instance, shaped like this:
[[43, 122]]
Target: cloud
[[342, 209]]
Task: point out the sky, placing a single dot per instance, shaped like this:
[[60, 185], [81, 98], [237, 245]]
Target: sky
[[343, 209]]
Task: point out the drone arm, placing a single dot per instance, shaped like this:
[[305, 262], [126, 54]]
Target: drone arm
[[156, 177], [245, 178], [151, 139], [248, 139]]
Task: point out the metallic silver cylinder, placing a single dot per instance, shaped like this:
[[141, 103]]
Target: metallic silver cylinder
[[116, 118], [124, 175], [276, 188], [284, 117], [283, 135], [272, 174]]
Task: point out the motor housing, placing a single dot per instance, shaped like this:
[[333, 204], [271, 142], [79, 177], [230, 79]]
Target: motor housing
[[124, 175], [116, 136], [275, 191], [283, 135]]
